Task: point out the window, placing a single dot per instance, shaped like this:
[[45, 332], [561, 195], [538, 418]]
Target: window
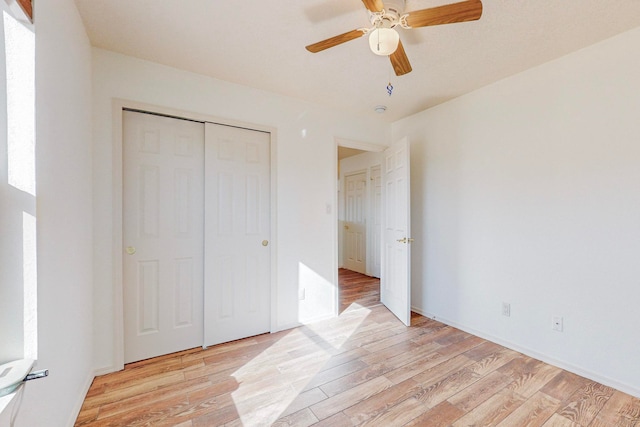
[[18, 274]]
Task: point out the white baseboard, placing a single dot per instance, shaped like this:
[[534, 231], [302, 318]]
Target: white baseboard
[[594, 376], [80, 400], [105, 370], [280, 328]]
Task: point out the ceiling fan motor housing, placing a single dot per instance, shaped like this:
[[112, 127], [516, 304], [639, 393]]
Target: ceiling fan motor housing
[[390, 16]]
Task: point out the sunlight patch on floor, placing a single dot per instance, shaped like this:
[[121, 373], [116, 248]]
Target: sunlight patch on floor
[[284, 373]]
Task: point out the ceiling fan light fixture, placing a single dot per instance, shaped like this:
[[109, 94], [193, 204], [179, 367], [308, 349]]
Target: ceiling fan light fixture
[[383, 41]]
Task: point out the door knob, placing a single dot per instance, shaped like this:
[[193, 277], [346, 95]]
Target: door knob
[[405, 240], [130, 250], [265, 242], [346, 227]]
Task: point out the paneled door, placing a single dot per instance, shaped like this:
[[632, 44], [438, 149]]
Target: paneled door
[[163, 224], [375, 223], [395, 282], [237, 233], [355, 227]]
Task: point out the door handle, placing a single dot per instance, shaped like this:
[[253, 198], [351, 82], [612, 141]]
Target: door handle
[[405, 240], [130, 250], [265, 242], [346, 227]]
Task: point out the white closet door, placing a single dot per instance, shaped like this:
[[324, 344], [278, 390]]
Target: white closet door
[[163, 235], [237, 233]]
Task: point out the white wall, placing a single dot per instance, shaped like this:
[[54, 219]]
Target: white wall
[[305, 178], [64, 210], [527, 192]]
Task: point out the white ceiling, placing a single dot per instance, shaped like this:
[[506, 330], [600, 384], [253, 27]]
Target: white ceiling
[[261, 44]]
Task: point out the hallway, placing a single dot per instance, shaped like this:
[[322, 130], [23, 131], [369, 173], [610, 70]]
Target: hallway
[[356, 288]]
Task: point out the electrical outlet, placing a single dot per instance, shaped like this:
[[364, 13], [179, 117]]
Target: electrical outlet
[[506, 309], [556, 323]]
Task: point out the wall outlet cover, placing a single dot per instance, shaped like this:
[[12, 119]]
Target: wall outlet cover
[[506, 309], [556, 323]]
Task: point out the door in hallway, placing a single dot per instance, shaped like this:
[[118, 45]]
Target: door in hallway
[[355, 227], [375, 224]]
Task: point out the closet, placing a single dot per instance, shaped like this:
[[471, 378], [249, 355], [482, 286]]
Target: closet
[[196, 234]]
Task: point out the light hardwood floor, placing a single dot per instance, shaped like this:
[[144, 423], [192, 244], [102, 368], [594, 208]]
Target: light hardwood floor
[[362, 368]]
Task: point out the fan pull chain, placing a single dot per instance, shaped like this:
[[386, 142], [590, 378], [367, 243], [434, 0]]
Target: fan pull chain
[[389, 88]]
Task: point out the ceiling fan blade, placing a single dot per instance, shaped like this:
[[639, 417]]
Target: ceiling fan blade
[[334, 41], [400, 61], [470, 10], [373, 5]]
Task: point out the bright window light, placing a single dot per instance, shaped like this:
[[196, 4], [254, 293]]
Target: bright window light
[[21, 172], [20, 54]]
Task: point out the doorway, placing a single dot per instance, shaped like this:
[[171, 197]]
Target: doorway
[[389, 169], [359, 223]]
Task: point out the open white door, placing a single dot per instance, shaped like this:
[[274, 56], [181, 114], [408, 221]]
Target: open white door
[[395, 283]]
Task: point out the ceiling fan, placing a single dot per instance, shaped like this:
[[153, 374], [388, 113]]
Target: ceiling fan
[[384, 39]]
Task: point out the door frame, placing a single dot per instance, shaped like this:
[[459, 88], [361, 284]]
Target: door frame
[[117, 105], [347, 143]]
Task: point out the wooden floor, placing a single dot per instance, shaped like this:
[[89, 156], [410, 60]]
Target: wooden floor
[[356, 288], [362, 368]]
